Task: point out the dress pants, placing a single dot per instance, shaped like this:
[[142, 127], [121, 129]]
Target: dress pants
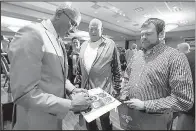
[[185, 122], [105, 123]]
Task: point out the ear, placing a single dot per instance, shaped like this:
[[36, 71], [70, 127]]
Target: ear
[[161, 35], [57, 15], [101, 30]]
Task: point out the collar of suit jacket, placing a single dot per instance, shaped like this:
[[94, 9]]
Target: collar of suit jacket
[[49, 26]]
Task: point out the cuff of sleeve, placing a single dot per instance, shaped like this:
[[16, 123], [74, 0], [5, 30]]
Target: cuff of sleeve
[[69, 86], [149, 106]]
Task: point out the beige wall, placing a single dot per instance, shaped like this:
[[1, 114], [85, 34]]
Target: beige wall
[[175, 38], [120, 43]]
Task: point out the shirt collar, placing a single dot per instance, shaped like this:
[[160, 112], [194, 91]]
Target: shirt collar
[[155, 48], [99, 42]]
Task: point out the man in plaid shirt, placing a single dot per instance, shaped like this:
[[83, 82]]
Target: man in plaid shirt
[[159, 78]]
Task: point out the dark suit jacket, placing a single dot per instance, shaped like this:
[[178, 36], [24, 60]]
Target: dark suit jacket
[[191, 59]]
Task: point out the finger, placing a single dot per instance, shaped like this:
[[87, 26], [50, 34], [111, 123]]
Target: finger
[[86, 95], [130, 101], [84, 90], [131, 105], [89, 101], [88, 98]]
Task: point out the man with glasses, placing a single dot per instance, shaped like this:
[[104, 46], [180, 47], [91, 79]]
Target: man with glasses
[[39, 70]]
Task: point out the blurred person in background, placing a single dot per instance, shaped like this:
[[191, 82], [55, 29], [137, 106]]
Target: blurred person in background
[[131, 52], [184, 48], [4, 44], [186, 120], [73, 58], [123, 60], [38, 73], [99, 66]]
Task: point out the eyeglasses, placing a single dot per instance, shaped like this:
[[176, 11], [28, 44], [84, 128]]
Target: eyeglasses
[[72, 22]]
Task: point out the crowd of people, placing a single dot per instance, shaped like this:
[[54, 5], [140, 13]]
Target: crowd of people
[[44, 73]]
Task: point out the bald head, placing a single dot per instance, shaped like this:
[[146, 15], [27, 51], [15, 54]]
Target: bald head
[[95, 29], [133, 46], [183, 47]]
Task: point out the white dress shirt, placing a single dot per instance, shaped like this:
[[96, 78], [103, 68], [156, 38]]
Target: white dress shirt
[[91, 53]]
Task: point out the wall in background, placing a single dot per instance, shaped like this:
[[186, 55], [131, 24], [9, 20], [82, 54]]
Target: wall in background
[[174, 38], [120, 43]]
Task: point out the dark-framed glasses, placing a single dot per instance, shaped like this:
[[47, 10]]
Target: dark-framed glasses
[[72, 22]]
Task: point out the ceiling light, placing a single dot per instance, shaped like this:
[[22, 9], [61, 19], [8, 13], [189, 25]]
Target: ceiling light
[[139, 9], [123, 14], [176, 9], [68, 3], [39, 19], [118, 21], [169, 27], [95, 12], [96, 6], [147, 15], [173, 17]]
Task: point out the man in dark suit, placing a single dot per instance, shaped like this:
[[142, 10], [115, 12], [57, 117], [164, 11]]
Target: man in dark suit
[[187, 120]]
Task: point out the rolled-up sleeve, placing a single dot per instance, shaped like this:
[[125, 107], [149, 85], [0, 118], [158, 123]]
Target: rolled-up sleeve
[[181, 84], [25, 54]]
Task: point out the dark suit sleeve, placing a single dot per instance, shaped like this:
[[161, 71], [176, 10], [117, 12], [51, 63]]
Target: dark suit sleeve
[[78, 78], [116, 70], [191, 60]]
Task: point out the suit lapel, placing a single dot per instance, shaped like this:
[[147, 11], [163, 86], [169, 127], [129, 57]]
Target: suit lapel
[[56, 45]]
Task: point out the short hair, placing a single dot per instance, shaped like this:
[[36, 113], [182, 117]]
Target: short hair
[[133, 46], [185, 46], [73, 13], [96, 21], [74, 38], [159, 24]]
